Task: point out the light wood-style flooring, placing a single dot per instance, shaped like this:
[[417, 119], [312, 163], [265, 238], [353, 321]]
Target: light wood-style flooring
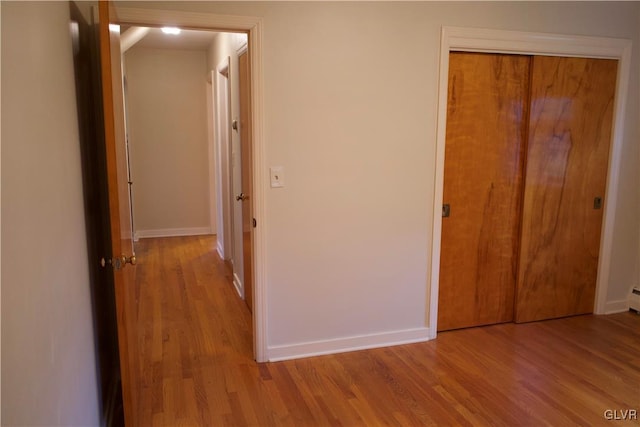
[[197, 367]]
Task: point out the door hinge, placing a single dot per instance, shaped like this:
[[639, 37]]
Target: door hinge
[[446, 211], [597, 203], [115, 262], [255, 223]]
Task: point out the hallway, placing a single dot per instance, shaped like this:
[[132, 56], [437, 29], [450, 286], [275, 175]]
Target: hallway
[[194, 331], [197, 366]]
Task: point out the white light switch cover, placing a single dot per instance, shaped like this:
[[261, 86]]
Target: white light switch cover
[[277, 176]]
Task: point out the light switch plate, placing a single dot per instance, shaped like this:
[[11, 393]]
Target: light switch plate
[[277, 176]]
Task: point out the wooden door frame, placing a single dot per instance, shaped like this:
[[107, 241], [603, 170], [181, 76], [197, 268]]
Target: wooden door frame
[[253, 26], [514, 42]]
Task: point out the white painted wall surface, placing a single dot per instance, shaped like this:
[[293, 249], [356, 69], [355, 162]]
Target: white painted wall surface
[[167, 112], [350, 102], [48, 361]]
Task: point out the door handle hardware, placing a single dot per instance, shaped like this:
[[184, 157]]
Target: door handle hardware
[[597, 203], [130, 260], [446, 211], [242, 197], [118, 262]]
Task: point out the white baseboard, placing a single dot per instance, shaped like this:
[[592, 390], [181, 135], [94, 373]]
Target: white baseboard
[[172, 232], [220, 249], [612, 307], [342, 345], [238, 285]]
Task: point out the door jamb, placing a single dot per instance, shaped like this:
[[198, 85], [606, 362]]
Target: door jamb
[[222, 107], [514, 42], [253, 26]]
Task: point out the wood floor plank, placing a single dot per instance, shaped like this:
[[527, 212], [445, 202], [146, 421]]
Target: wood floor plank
[[197, 369]]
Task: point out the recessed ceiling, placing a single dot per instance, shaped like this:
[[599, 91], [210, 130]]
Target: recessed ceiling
[[186, 40]]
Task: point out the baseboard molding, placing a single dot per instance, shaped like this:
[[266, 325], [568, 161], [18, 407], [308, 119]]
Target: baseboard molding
[[612, 307], [219, 248], [172, 232], [238, 285], [343, 345]]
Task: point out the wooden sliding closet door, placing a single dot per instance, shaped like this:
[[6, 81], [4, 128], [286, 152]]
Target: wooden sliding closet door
[[486, 120], [567, 158]]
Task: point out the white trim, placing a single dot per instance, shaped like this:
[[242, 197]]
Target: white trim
[[484, 40], [224, 66], [253, 26], [219, 249], [499, 41], [612, 307], [633, 300], [260, 173], [238, 285], [223, 146], [211, 154], [242, 49], [173, 232], [342, 345]]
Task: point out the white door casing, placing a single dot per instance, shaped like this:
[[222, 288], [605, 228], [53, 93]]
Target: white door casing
[[254, 27], [223, 165]]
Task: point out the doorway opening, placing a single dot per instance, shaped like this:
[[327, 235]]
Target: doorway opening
[[184, 139]]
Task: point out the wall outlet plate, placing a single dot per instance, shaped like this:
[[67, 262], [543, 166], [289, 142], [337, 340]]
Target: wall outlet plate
[[277, 176]]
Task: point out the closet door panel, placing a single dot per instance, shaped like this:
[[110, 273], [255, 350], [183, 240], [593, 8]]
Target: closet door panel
[[486, 115], [566, 168]]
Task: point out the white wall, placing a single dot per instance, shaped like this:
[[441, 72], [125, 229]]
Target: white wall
[[350, 103], [48, 361], [167, 122]]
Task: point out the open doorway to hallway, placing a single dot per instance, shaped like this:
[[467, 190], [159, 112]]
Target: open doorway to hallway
[[187, 141]]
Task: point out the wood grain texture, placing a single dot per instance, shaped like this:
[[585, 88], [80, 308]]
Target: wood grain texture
[[486, 122], [119, 205], [197, 368], [246, 159], [567, 160]]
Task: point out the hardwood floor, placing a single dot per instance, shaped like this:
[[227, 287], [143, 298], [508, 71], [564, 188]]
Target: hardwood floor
[[197, 368]]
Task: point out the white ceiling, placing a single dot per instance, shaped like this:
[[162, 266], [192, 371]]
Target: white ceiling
[[187, 39]]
